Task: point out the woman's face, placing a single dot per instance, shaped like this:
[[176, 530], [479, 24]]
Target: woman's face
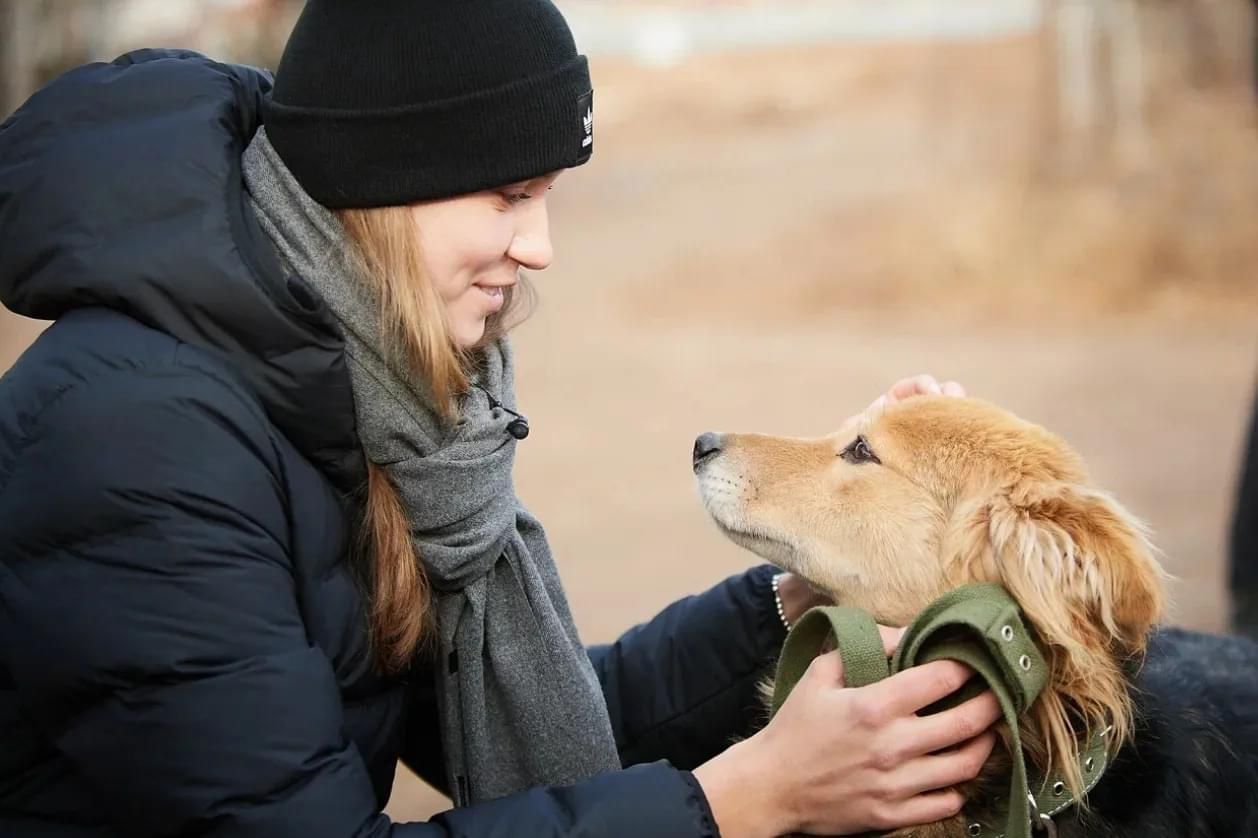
[[474, 246]]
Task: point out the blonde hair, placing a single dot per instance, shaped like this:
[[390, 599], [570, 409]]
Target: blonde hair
[[415, 336]]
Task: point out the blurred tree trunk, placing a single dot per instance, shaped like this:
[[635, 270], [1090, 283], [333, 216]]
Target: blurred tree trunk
[[1128, 83], [1254, 56], [17, 65]]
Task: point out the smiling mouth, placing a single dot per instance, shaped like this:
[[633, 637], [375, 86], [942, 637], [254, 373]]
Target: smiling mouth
[[495, 296]]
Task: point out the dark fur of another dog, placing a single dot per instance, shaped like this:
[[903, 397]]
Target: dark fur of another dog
[[1191, 769]]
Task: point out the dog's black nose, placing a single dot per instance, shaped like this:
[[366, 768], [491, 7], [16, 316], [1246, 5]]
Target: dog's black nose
[[706, 446]]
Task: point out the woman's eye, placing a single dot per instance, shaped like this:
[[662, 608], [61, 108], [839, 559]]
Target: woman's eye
[[516, 195], [859, 452]]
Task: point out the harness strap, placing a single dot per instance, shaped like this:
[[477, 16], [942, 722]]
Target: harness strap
[[979, 625]]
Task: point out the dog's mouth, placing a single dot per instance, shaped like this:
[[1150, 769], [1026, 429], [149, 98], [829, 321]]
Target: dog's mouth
[[724, 498]]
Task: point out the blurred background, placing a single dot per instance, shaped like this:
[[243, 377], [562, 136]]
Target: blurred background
[[796, 202]]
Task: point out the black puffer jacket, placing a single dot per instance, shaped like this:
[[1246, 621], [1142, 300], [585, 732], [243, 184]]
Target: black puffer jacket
[[182, 646]]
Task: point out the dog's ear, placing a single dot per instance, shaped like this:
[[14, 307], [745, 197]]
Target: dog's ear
[[1078, 563], [1083, 571]]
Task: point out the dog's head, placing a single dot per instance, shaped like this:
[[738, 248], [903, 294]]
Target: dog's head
[[905, 503]]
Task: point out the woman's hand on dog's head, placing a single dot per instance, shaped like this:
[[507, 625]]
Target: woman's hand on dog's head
[[923, 385], [906, 388]]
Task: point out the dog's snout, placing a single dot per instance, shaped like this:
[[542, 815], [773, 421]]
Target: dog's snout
[[706, 446]]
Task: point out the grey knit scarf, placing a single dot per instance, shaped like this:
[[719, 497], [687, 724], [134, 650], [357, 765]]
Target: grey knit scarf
[[520, 703]]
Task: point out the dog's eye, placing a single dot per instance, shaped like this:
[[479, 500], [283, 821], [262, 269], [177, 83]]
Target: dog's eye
[[860, 452]]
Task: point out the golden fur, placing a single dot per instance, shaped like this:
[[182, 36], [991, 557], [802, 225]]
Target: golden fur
[[964, 492]]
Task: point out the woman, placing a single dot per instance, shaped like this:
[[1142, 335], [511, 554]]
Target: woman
[[260, 534]]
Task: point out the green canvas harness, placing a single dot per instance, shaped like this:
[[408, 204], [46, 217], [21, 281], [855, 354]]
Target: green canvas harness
[[981, 626]]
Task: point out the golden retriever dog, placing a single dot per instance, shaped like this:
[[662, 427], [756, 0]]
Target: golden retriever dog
[[931, 493]]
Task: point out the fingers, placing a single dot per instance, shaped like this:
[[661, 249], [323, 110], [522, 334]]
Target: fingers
[[917, 385], [920, 385], [826, 669], [926, 783], [923, 809], [909, 691], [939, 771], [953, 726], [875, 407]]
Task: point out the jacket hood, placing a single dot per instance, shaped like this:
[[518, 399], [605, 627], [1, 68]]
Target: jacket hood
[[120, 187]]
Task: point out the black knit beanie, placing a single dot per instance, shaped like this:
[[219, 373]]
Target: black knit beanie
[[384, 102]]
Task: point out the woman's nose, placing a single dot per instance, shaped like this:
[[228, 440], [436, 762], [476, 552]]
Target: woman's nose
[[530, 246]]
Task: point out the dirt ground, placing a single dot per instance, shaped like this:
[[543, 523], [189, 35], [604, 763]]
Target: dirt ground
[[766, 241]]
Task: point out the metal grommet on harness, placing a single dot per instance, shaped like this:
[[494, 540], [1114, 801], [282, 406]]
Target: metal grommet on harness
[[1040, 822]]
